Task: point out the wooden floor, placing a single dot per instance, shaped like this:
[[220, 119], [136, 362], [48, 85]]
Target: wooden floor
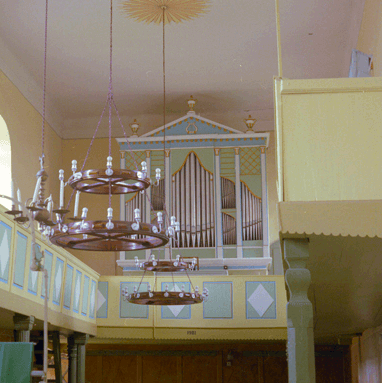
[[250, 363]]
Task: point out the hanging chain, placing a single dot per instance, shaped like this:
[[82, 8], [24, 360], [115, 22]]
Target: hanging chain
[[44, 90]]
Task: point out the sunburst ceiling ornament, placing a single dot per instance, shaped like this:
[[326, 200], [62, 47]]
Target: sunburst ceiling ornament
[[151, 11]]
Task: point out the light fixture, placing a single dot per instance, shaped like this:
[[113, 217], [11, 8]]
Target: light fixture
[[163, 12]]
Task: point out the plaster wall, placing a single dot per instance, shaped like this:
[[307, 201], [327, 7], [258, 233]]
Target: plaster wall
[[24, 126], [370, 35]]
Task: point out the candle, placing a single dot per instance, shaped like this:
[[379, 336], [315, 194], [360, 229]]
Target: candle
[[76, 203], [50, 204], [61, 178], [36, 190], [19, 199]]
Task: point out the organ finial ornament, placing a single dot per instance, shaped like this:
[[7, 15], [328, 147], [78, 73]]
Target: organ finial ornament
[[250, 122]]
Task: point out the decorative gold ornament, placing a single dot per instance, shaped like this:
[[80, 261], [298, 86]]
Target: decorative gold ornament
[[191, 103], [250, 122], [134, 128], [151, 11]]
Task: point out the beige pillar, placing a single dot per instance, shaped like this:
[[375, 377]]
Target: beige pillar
[[300, 348]]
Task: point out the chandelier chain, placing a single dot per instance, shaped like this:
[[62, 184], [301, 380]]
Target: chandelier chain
[[44, 87]]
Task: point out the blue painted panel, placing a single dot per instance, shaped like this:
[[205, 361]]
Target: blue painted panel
[[102, 298], [176, 312], [129, 310], [85, 296], [77, 291], [260, 300], [92, 299], [48, 264], [21, 252], [58, 277], [5, 251], [220, 300], [68, 286], [33, 275]]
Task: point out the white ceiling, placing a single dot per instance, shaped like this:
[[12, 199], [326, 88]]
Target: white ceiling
[[226, 58]]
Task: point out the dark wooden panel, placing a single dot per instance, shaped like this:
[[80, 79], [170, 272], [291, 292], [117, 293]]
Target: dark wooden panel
[[275, 369], [119, 369], [93, 369], [159, 369], [242, 369], [330, 370], [200, 369]]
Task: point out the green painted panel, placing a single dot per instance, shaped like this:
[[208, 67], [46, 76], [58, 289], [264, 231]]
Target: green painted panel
[[48, 263], [176, 312], [201, 253], [77, 291], [129, 310], [141, 254], [92, 299], [58, 277], [68, 286], [254, 184], [33, 275], [220, 300], [205, 155], [85, 296], [253, 253], [227, 163], [102, 298], [261, 300], [21, 252], [229, 252], [5, 251], [11, 356]]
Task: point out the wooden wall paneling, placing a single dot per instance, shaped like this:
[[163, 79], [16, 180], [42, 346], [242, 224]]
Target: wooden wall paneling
[[329, 369], [159, 369], [242, 369], [200, 369], [179, 370], [93, 369], [119, 369], [219, 365], [139, 369], [275, 369], [261, 369]]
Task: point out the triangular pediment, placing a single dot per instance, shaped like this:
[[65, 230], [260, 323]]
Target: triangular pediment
[[190, 125]]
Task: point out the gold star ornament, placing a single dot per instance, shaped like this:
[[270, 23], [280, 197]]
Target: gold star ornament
[[152, 11]]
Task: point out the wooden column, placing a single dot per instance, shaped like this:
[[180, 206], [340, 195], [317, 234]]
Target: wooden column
[[239, 221], [122, 207], [23, 326], [218, 206], [264, 203], [300, 347], [81, 341], [148, 194]]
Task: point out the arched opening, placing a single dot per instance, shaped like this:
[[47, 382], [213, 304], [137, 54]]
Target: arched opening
[[5, 163]]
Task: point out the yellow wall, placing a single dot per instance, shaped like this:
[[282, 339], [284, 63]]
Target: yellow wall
[[103, 262], [370, 36], [24, 125]]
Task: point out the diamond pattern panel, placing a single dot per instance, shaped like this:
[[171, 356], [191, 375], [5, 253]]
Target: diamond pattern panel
[[250, 161], [261, 300]]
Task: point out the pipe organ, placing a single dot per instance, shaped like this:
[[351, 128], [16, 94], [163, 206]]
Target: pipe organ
[[193, 204], [228, 193], [229, 229], [251, 214], [137, 202]]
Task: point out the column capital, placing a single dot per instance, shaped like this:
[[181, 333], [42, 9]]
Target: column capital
[[78, 338], [262, 149], [23, 322], [123, 154], [237, 151], [217, 151], [148, 153], [167, 152]]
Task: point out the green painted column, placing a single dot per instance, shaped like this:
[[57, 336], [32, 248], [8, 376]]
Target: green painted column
[[81, 341], [300, 347], [23, 326], [72, 353]]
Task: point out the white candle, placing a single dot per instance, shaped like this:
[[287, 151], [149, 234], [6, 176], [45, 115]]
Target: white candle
[[50, 204], [36, 190], [76, 203], [19, 199], [61, 178]]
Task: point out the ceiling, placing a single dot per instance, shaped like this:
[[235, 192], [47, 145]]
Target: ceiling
[[226, 58]]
